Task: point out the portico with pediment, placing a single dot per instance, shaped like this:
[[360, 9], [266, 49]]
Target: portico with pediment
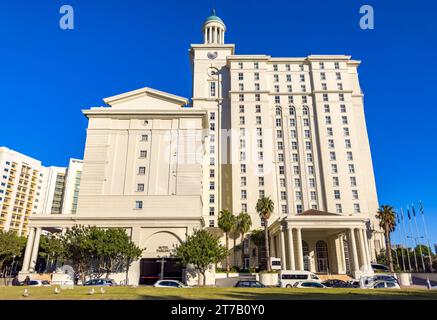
[[322, 243]]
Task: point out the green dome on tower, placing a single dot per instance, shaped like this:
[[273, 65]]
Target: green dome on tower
[[213, 17]]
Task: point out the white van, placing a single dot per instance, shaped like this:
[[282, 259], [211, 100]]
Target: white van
[[287, 278]]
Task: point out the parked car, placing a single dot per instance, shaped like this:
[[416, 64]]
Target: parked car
[[249, 284], [384, 277], [39, 283], [377, 267], [336, 283], [170, 284], [100, 282], [384, 285], [287, 278], [308, 284]]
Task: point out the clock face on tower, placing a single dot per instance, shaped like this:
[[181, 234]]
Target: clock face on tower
[[212, 55]]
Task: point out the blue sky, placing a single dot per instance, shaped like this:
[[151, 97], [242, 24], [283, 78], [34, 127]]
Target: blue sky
[[48, 75]]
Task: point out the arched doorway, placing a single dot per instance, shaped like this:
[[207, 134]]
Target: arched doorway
[[306, 256], [322, 256]]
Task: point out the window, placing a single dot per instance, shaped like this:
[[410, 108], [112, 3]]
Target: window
[[357, 208], [293, 133], [211, 223], [258, 120], [296, 170], [257, 108], [299, 208], [240, 76], [242, 120], [292, 122], [336, 65], [346, 132], [313, 196], [328, 120], [276, 78], [337, 194], [303, 88], [278, 122], [277, 99], [260, 168], [325, 97], [259, 143], [138, 204], [259, 132], [144, 137], [335, 181], [291, 111], [321, 65], [334, 168], [211, 173], [324, 86], [212, 126], [241, 87], [306, 122], [281, 157], [261, 194], [338, 75], [211, 185], [212, 116], [341, 96], [257, 97], [211, 211], [143, 154], [348, 144], [290, 99], [287, 67], [242, 143], [309, 157], [256, 76], [304, 99], [298, 196], [329, 132], [142, 170], [242, 168], [257, 86], [284, 209], [275, 67], [344, 119], [241, 108], [297, 183], [351, 168], [242, 132], [243, 181], [307, 145], [338, 208], [327, 110], [282, 182], [331, 143], [301, 67], [322, 76], [312, 183], [289, 88], [241, 97], [260, 155], [212, 89], [240, 65], [302, 78], [242, 156], [288, 76], [243, 194], [353, 181], [332, 156], [281, 170], [283, 195], [140, 187], [244, 207], [256, 65], [293, 145], [343, 108], [211, 198], [260, 181], [355, 194], [307, 134], [310, 170]]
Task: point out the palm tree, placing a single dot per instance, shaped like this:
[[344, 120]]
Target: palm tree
[[226, 223], [244, 223], [264, 207], [387, 222]]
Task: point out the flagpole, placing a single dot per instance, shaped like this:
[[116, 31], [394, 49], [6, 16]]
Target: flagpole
[[418, 237], [426, 235], [400, 242], [406, 240], [412, 238]]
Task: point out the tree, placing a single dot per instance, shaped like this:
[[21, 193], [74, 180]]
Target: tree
[[264, 207], [257, 237], [51, 249], [113, 249], [78, 248], [11, 245], [243, 225], [226, 223], [387, 222], [201, 250]]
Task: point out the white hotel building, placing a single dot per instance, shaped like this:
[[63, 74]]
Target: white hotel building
[[293, 129]]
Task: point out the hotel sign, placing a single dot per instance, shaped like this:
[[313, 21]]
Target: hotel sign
[[163, 249]]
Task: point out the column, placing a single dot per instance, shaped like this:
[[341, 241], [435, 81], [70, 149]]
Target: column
[[366, 247], [283, 257], [272, 245], [342, 256], [291, 248], [353, 251], [28, 252], [205, 36], [299, 249], [35, 249], [362, 249]]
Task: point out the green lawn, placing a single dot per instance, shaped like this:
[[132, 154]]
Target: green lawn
[[79, 293]]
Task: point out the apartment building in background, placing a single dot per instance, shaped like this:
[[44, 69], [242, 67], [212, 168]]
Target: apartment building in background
[[293, 129], [28, 188]]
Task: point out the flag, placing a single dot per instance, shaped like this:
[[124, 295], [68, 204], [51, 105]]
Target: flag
[[402, 212], [421, 207], [397, 216], [414, 211], [408, 212]]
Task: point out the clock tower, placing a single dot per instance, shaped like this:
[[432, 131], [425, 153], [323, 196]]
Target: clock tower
[[211, 85]]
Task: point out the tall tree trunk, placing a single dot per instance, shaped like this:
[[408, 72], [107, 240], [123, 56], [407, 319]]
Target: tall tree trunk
[[388, 248], [266, 241], [227, 256], [204, 278], [242, 250], [235, 251]]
